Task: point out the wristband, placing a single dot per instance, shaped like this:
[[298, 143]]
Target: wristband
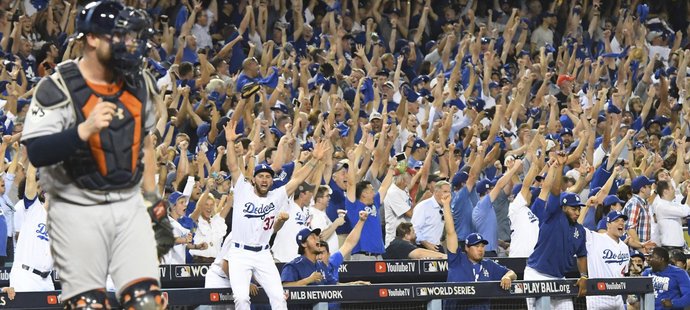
[[584, 275]]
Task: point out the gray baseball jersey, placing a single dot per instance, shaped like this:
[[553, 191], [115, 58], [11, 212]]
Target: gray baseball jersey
[[41, 121]]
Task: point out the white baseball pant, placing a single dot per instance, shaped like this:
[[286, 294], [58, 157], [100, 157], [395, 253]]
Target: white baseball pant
[[242, 264], [556, 303], [25, 281]]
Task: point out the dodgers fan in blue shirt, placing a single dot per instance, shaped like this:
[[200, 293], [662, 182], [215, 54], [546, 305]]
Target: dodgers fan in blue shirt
[[362, 197], [470, 266], [484, 214], [560, 238], [671, 284]]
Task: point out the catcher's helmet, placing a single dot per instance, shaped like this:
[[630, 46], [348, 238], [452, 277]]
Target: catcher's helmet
[[98, 17]]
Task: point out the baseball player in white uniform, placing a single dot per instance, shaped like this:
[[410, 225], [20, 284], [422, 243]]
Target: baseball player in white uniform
[[255, 213], [299, 218], [33, 261], [608, 257]]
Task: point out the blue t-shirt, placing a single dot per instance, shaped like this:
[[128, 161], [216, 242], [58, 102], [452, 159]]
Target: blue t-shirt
[[338, 202], [332, 276], [463, 203], [671, 283], [461, 269], [301, 268], [373, 238], [558, 241], [484, 219], [284, 176]]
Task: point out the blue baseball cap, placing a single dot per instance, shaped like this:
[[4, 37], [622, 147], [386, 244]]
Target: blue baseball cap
[[175, 196], [484, 185], [459, 178], [474, 239], [569, 199], [418, 143], [612, 200], [566, 131], [264, 167], [279, 106], [614, 215], [303, 234], [640, 182], [307, 146]]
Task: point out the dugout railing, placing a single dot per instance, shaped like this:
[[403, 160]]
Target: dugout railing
[[432, 294]]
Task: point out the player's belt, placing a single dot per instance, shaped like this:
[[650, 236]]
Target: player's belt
[[368, 253], [251, 248], [42, 274]]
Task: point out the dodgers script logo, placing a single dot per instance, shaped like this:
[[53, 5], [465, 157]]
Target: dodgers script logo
[[42, 232], [303, 217], [252, 211], [612, 258], [371, 210]]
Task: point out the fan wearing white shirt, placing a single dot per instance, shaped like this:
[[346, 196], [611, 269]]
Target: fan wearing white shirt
[[608, 257], [320, 219], [211, 226], [524, 225], [398, 204], [669, 216]]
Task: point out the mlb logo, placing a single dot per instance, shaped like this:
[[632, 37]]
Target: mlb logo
[[380, 267], [422, 291], [517, 288], [214, 297], [383, 292], [601, 286], [182, 271], [431, 266]]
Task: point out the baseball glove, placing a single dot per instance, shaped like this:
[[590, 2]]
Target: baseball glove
[[250, 89], [162, 228]]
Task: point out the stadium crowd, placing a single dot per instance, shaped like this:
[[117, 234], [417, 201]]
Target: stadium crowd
[[512, 113]]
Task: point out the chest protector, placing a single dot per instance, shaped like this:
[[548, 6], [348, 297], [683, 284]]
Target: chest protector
[[111, 159]]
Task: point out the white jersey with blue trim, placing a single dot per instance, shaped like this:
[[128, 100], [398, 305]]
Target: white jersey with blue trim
[[253, 217], [33, 246], [606, 257]]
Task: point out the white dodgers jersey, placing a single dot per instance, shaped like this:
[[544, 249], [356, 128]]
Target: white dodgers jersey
[[606, 258], [524, 226], [253, 217], [284, 247], [33, 246]]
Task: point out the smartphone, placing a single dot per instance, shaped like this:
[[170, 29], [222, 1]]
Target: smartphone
[[400, 157], [164, 18]]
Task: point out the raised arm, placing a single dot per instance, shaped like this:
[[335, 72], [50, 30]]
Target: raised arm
[[451, 235], [231, 155], [303, 173]]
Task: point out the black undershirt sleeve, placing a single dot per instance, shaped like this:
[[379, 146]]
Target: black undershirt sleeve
[[52, 149]]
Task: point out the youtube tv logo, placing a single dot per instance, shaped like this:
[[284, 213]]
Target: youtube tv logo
[[383, 292], [380, 267], [601, 286], [52, 300], [214, 297]]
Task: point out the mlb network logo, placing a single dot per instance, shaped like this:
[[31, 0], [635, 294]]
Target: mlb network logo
[[380, 267]]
